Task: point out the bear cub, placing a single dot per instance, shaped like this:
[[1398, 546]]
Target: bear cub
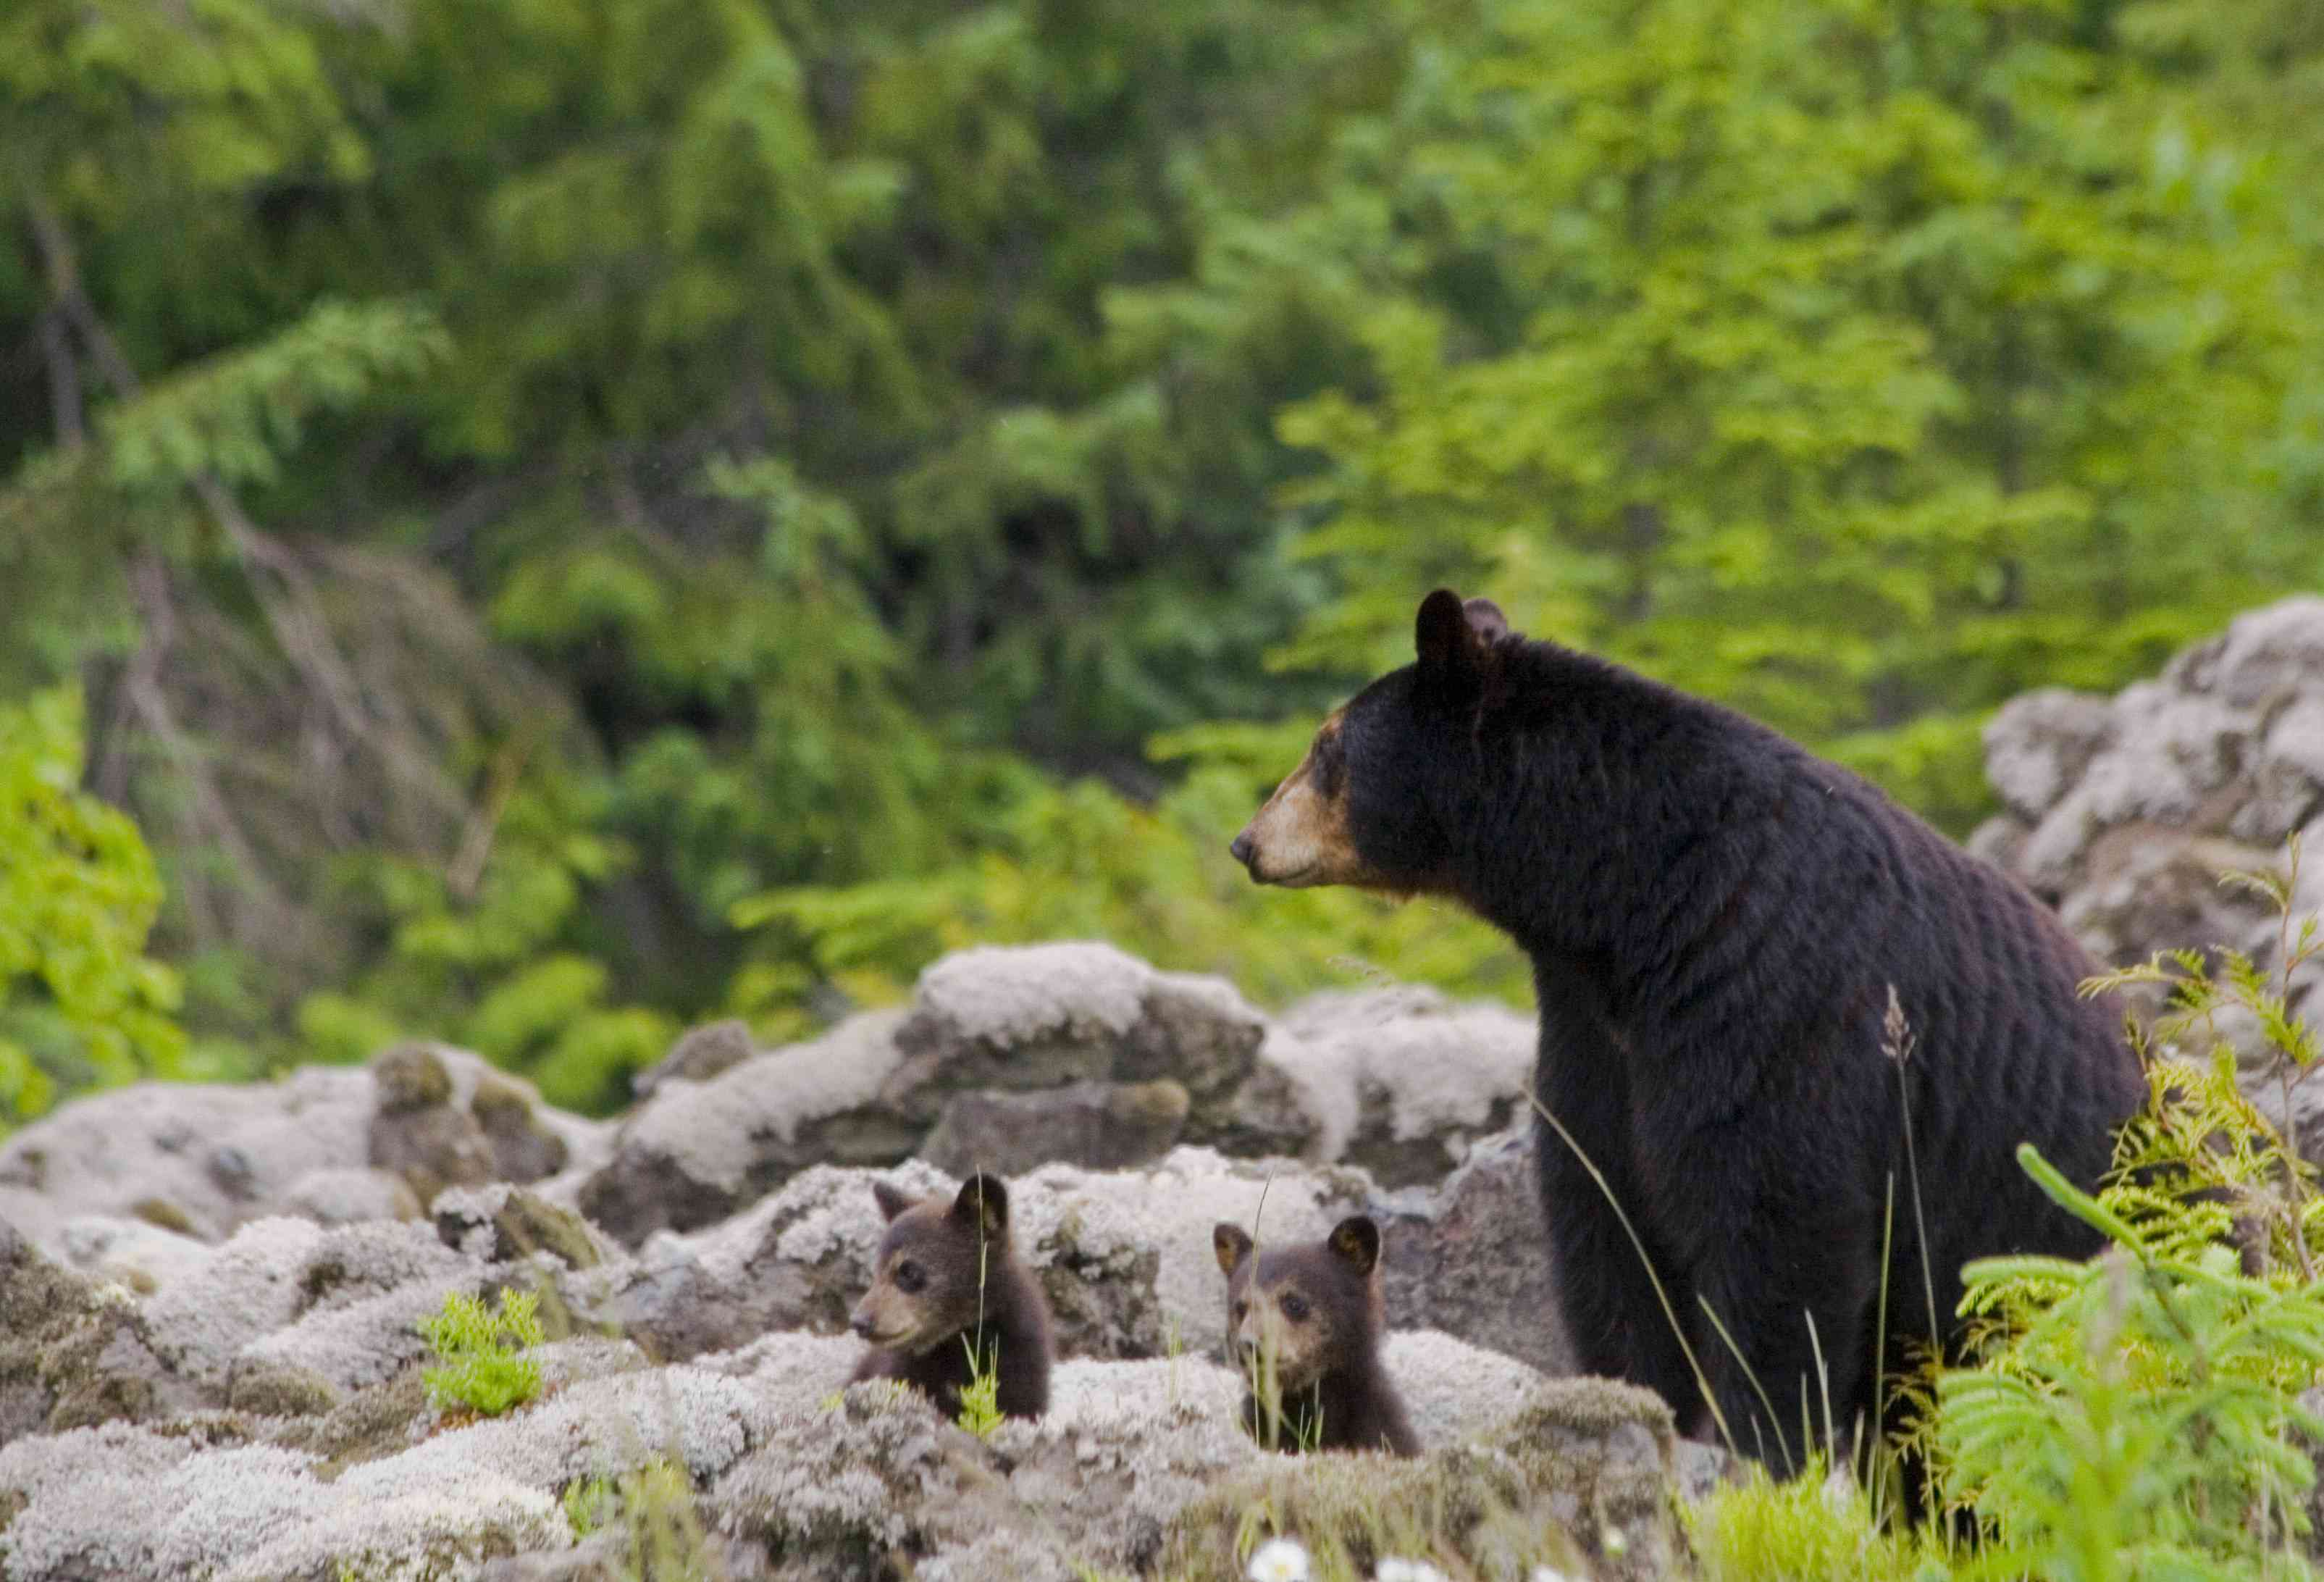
[[951, 1299], [1307, 1320]]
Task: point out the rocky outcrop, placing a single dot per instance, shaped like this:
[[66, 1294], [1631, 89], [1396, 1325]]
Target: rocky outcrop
[[2124, 812], [1011, 1058]]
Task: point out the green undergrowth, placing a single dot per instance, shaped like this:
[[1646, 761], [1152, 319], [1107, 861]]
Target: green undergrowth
[[482, 1364], [2138, 1415]]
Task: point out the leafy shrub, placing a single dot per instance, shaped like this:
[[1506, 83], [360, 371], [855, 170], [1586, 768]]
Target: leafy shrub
[[80, 1004], [2134, 1416], [479, 1352]]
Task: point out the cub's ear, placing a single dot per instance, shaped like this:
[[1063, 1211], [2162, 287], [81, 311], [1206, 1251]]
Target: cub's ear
[[1232, 1245], [1356, 1241], [1455, 640], [891, 1202], [983, 1203]]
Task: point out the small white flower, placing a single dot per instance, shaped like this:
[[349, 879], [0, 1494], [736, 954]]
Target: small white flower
[[1549, 1574], [1612, 1542], [1279, 1559], [1392, 1569]]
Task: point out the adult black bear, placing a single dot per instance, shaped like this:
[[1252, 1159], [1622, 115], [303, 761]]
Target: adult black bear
[[1716, 920]]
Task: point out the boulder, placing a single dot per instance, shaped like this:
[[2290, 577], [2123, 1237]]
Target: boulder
[[696, 1152], [1097, 1125], [218, 1154], [1472, 1255], [1399, 1081]]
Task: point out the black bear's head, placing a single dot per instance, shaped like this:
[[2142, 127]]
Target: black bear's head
[[935, 1265], [1356, 811]]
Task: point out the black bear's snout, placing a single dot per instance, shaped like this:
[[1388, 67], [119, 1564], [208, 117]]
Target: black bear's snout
[[1239, 849], [861, 1324]]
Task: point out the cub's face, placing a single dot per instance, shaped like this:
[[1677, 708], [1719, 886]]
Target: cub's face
[[934, 1267], [1355, 809], [1295, 1314]]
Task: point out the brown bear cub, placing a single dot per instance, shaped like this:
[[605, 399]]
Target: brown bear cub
[[1307, 1320], [950, 1298]]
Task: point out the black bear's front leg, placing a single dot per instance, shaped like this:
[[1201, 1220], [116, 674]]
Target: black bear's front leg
[[1799, 1298]]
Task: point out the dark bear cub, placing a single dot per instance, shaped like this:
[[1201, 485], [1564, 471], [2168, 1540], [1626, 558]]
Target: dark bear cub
[[950, 1298], [1307, 1320]]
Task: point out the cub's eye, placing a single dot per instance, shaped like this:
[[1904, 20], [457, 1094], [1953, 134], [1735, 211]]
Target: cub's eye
[[1330, 771], [1294, 1306], [911, 1277], [1240, 1307]]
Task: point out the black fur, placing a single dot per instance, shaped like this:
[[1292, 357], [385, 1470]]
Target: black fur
[[1715, 918]]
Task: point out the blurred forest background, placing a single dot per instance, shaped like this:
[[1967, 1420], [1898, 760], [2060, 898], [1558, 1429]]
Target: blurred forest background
[[532, 522]]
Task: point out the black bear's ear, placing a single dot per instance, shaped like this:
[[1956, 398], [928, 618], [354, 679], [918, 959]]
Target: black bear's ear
[[1455, 640], [983, 1203], [1356, 1241], [1232, 1245], [891, 1202]]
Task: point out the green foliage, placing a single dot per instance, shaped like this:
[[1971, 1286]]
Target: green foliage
[[1809, 1528], [528, 484], [481, 1363], [81, 1003], [1851, 364], [979, 1398], [2135, 1415], [651, 1507]]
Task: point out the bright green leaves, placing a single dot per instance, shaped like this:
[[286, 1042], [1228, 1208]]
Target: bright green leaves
[[80, 1004], [1871, 372]]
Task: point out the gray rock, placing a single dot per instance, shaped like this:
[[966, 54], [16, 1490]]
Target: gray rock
[[1039, 1016], [2262, 654], [2288, 780], [698, 1151], [1472, 1257], [351, 1194], [1400, 1080], [699, 1054], [2038, 745], [1099, 1125], [502, 1224], [418, 1131], [107, 1153]]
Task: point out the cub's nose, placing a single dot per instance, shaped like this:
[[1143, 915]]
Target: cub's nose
[[860, 1322], [1240, 848]]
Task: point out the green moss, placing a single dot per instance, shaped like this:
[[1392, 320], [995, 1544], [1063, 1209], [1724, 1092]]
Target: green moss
[[164, 1215], [269, 1389], [1811, 1529], [369, 1425]]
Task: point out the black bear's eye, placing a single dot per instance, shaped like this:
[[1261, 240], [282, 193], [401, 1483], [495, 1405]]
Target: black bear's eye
[[911, 1277], [1330, 771], [1294, 1306], [1240, 1307]]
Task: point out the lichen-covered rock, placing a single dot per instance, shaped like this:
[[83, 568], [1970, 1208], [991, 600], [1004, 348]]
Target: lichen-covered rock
[[1039, 1017], [74, 1353], [416, 1132], [524, 1148], [265, 1388], [1124, 1257], [340, 1301], [219, 1154], [1399, 1081], [698, 1151], [350, 1195], [2206, 768], [844, 1490], [699, 1054], [1450, 1387], [1577, 1479], [1097, 1125], [1472, 1255], [502, 1224]]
